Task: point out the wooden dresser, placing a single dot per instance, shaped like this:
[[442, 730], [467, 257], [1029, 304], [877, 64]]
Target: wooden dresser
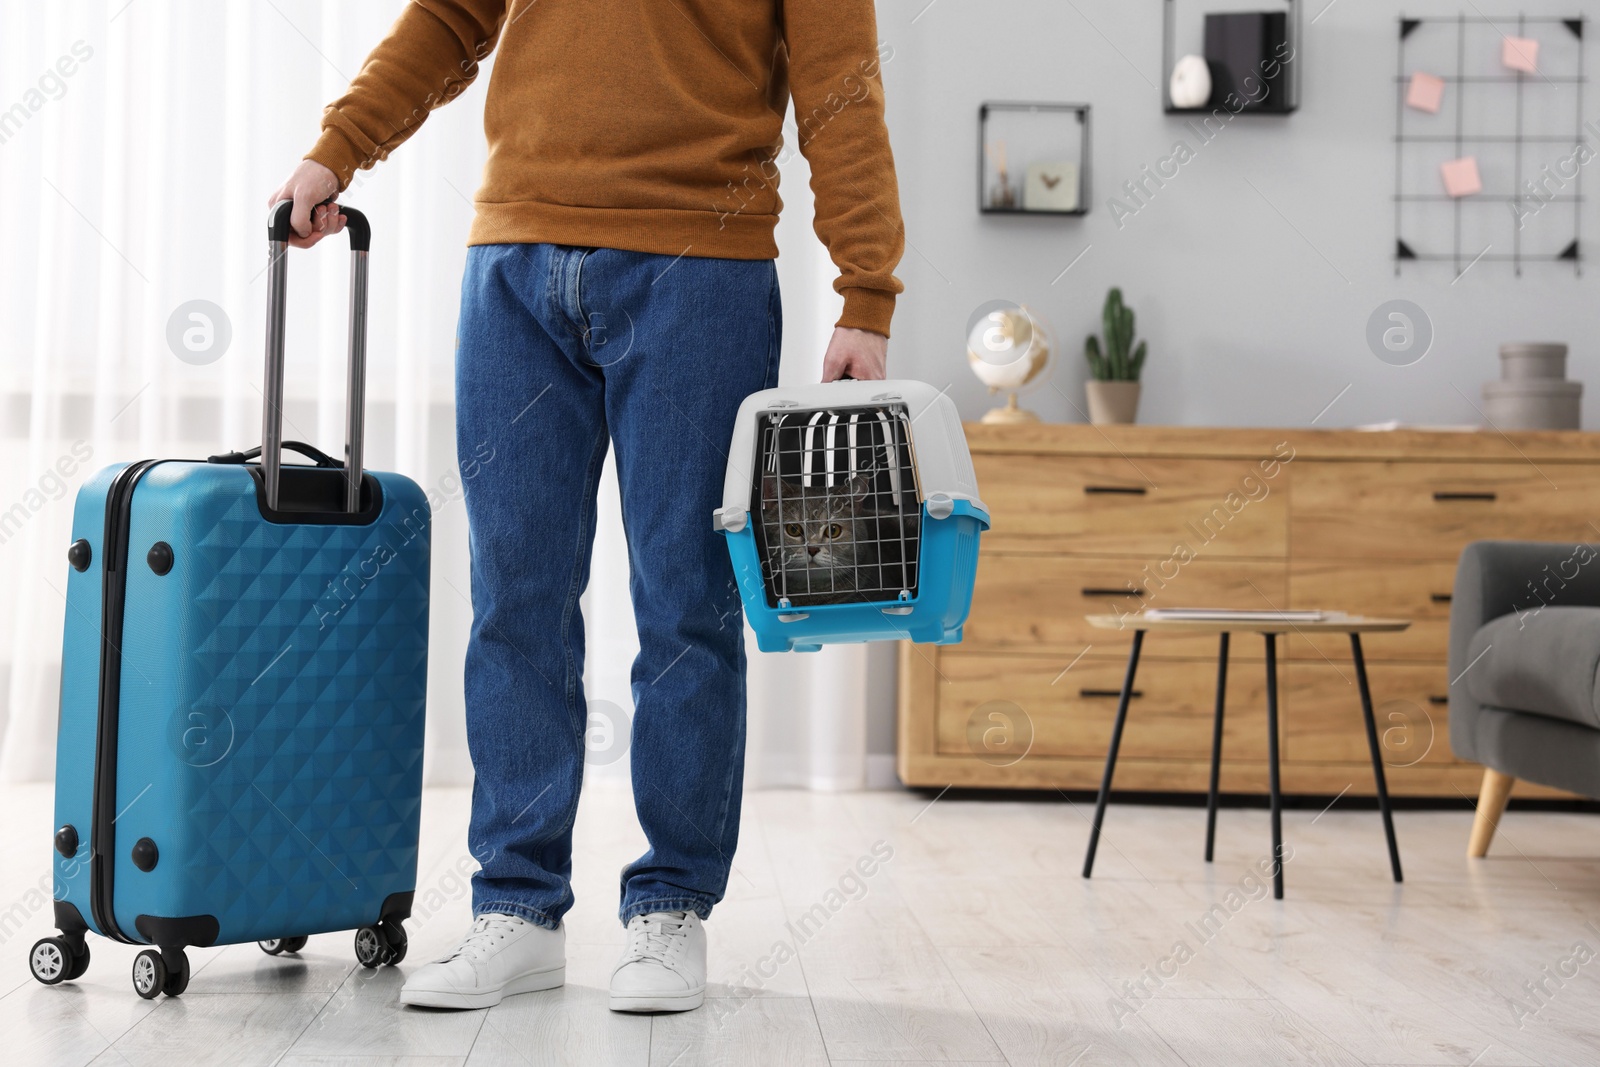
[[1112, 519]]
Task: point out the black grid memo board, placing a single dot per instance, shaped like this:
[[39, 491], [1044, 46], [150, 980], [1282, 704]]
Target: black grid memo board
[[1520, 127]]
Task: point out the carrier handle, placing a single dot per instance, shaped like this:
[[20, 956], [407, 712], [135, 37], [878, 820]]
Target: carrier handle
[[278, 232]]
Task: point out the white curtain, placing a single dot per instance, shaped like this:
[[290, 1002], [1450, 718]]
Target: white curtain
[[138, 142]]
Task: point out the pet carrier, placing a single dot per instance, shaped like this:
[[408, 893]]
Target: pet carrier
[[852, 514]]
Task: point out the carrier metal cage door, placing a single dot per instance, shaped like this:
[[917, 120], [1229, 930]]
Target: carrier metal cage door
[[839, 506]]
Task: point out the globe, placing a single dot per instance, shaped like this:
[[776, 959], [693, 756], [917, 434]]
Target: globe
[[1008, 349]]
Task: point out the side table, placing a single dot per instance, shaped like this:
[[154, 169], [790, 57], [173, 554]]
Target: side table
[[1269, 628]]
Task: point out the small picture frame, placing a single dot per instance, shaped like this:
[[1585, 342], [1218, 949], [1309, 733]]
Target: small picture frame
[[1051, 186]]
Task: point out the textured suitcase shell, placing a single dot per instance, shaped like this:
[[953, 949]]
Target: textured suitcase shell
[[270, 717]]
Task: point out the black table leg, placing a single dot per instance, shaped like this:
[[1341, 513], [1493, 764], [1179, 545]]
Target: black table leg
[[1216, 747], [1272, 765], [1377, 754], [1111, 754]]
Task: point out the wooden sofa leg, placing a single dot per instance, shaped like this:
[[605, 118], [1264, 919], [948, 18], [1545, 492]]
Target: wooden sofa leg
[[1492, 797]]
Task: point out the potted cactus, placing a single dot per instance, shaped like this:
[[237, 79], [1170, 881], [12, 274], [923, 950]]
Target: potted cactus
[[1113, 388]]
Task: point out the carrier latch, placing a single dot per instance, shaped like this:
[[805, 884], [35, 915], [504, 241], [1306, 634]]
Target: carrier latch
[[731, 520]]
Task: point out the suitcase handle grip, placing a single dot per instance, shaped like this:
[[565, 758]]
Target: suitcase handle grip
[[355, 224], [311, 452], [272, 443]]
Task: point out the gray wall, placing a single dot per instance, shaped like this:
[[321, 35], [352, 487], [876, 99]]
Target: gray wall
[[1254, 271]]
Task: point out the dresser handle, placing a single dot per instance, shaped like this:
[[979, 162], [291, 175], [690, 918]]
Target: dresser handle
[[1463, 496], [1095, 590], [1089, 694], [1125, 490], [1436, 699], [1440, 598]]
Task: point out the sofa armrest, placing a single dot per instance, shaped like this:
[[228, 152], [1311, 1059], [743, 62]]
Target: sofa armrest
[[1496, 578]]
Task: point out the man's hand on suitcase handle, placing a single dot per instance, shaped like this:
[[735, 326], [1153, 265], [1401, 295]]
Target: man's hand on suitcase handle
[[855, 353], [309, 186]]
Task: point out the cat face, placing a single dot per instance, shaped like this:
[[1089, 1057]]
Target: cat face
[[817, 539]]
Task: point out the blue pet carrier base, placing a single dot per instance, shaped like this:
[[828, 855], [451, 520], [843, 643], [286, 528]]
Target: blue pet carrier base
[[909, 435]]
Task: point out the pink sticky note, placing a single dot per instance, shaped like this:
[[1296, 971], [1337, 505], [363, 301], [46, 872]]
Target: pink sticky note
[[1426, 92], [1520, 53], [1461, 176]]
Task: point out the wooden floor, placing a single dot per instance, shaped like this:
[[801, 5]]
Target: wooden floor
[[976, 941]]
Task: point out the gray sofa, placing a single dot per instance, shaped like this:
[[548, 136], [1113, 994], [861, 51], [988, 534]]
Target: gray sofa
[[1525, 670]]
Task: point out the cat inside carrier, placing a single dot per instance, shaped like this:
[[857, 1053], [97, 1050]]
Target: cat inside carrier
[[852, 514]]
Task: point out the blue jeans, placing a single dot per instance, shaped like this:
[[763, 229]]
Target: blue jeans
[[561, 351]]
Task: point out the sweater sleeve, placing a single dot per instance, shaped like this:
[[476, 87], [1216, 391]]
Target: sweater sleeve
[[836, 81], [429, 57]]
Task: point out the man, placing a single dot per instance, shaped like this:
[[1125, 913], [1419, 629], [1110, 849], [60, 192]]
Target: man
[[619, 286]]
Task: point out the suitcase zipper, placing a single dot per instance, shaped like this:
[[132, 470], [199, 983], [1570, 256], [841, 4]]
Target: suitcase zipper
[[102, 837]]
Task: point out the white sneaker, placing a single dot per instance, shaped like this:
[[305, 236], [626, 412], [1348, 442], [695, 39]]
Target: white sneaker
[[502, 955], [663, 967]]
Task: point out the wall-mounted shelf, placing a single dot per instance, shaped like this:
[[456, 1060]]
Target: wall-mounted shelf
[[1285, 101], [1025, 152]]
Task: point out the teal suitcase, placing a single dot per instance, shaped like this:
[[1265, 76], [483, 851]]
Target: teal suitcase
[[243, 679]]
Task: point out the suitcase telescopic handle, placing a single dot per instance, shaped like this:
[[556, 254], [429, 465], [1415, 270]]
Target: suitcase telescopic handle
[[278, 233]]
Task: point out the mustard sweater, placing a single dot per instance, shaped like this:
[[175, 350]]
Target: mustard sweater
[[650, 125]]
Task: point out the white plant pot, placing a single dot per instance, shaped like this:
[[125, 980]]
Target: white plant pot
[[1112, 402]]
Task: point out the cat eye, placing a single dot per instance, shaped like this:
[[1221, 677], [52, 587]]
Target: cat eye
[[793, 529], [834, 530]]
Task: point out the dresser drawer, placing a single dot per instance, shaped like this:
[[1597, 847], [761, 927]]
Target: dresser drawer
[[1105, 505], [1423, 510], [1038, 603], [1417, 591], [1322, 719], [1072, 713]]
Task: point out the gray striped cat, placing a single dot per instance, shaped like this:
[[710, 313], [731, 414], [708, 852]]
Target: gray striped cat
[[834, 546]]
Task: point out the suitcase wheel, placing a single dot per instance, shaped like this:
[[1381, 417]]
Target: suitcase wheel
[[280, 945], [371, 946], [395, 934], [149, 974], [80, 964], [51, 960], [155, 973], [381, 945]]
